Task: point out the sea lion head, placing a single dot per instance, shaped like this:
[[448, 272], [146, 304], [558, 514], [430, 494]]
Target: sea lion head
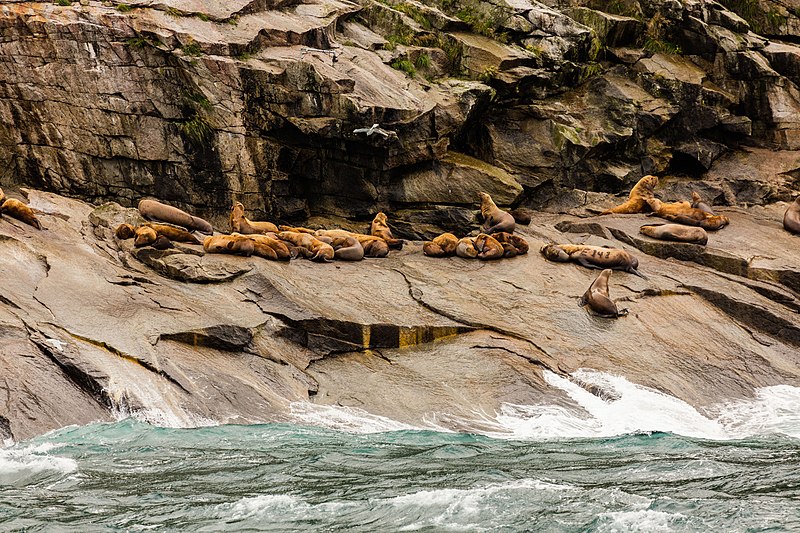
[[380, 218], [553, 252], [145, 236], [124, 231]]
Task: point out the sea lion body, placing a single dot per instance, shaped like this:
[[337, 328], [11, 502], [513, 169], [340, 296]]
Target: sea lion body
[[373, 246], [297, 229], [281, 251], [488, 247], [162, 243], [521, 216], [144, 236], [518, 243], [466, 248], [675, 232], [684, 213], [592, 256], [173, 233], [347, 248], [125, 231], [20, 211], [494, 218], [2, 197], [698, 203], [443, 245], [791, 218], [596, 297], [316, 249], [229, 244], [154, 210], [380, 228], [242, 225], [637, 199]]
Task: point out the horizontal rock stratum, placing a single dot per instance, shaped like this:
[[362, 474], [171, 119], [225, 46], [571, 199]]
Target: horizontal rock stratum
[[91, 331]]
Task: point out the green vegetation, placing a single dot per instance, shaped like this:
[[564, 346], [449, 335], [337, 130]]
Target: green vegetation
[[405, 65], [488, 74], [416, 14], [173, 12], [203, 17], [123, 8], [197, 100], [654, 37], [760, 18], [64, 2], [657, 46], [423, 61], [137, 42], [590, 70], [197, 130], [244, 56], [192, 49]]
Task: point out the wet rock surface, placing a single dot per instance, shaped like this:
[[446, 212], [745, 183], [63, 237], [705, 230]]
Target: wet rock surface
[[93, 332]]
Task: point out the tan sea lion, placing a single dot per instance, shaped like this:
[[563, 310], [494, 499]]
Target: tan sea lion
[[675, 232], [296, 229], [241, 224], [494, 218], [144, 236], [466, 248], [684, 213], [791, 219], [443, 245], [229, 244], [592, 256], [596, 297], [380, 228], [173, 233], [281, 251], [2, 197], [125, 231], [19, 210], [488, 247], [520, 245], [698, 203], [521, 216], [637, 199], [373, 246], [347, 248], [154, 210], [316, 249]]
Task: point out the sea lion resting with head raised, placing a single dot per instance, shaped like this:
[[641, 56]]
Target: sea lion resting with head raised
[[241, 224], [380, 228], [791, 218], [311, 247], [596, 297], [154, 210], [494, 218], [443, 245], [675, 232], [684, 213], [17, 209], [592, 256], [637, 199]]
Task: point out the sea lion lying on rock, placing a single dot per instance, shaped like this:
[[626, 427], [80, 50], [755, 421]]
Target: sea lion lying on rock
[[373, 246], [488, 247], [154, 210], [791, 219], [125, 231], [347, 248], [684, 213], [229, 244], [20, 211], [241, 224], [466, 248], [494, 218], [513, 244], [144, 236], [280, 251], [173, 233], [380, 228], [311, 247], [698, 203], [162, 243], [2, 197], [675, 232], [443, 245], [596, 297], [592, 256], [637, 199]]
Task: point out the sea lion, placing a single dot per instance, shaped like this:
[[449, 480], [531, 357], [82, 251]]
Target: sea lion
[[380, 228], [521, 216], [637, 199], [466, 248], [698, 203], [229, 244], [443, 245], [596, 297], [592, 256], [144, 236], [173, 233], [373, 246], [675, 232], [16, 209], [241, 224], [518, 243], [297, 229], [281, 251], [316, 250], [684, 213], [488, 247], [347, 248], [2, 197], [162, 243], [125, 231], [791, 219], [154, 210], [494, 218]]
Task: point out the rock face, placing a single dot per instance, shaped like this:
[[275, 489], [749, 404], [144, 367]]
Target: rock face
[[93, 330]]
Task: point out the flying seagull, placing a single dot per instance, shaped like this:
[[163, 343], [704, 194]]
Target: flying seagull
[[307, 50], [375, 128]]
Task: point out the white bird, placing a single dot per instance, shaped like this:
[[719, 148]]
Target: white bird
[[375, 128], [369, 131]]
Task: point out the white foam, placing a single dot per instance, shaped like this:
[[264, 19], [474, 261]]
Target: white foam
[[264, 504], [19, 466], [633, 521], [775, 410], [350, 419]]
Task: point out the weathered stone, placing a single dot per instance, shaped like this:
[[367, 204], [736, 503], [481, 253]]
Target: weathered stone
[[612, 30]]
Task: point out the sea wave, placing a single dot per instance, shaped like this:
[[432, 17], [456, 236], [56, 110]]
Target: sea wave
[[24, 465]]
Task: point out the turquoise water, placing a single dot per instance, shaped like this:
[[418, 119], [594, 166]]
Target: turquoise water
[[131, 476]]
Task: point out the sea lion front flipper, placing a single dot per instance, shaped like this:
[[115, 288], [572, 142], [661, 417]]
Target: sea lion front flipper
[[583, 262]]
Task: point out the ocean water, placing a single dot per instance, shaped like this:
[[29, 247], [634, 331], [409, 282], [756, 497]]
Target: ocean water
[[641, 462]]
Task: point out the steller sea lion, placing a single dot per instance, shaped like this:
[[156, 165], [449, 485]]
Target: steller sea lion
[[125, 231], [521, 216], [373, 246], [637, 199], [488, 247], [229, 244], [173, 233], [162, 243], [144, 236], [592, 256], [791, 219], [442, 246], [698, 203], [519, 244], [684, 213], [347, 248], [466, 248], [494, 218], [675, 232], [297, 229], [380, 228], [596, 297], [16, 209], [2, 197], [240, 223], [315, 249], [282, 252], [154, 210]]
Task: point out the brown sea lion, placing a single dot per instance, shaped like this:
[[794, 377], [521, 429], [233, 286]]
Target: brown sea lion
[[521, 216], [373, 246], [241, 224], [229, 244], [592, 256], [488, 247], [443, 245], [466, 248], [2, 197], [380, 228], [162, 243], [675, 232], [347, 248], [296, 229], [125, 231], [494, 218], [596, 297], [791, 219], [637, 199], [520, 245], [16, 209], [316, 249], [698, 203], [282, 252], [144, 236], [684, 213], [173, 233], [154, 210]]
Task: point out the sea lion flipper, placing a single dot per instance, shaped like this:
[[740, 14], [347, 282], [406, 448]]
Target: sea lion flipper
[[622, 312], [636, 272], [583, 262]]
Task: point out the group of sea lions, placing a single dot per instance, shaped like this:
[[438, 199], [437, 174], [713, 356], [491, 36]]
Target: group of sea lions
[[18, 210]]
